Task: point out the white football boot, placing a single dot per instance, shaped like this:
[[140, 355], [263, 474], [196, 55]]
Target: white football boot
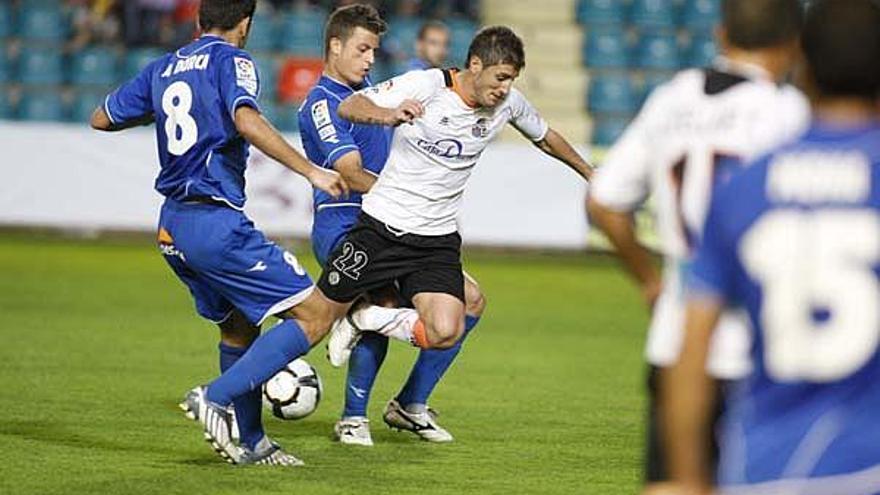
[[344, 335], [423, 424], [353, 431], [215, 421]]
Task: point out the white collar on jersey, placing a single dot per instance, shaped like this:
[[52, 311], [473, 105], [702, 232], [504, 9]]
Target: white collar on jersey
[[745, 69]]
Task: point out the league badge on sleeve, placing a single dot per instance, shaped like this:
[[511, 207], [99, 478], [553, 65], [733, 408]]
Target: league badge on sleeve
[[246, 75]]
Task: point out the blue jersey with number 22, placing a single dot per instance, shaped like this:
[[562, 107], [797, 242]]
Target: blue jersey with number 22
[[796, 240], [193, 94]]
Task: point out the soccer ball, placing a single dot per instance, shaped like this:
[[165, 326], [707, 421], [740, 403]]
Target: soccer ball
[[294, 392]]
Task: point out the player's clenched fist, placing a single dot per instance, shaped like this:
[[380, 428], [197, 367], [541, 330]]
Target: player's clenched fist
[[406, 112], [328, 181]]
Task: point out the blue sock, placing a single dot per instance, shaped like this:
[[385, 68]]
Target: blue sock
[[363, 366], [430, 368], [268, 354], [248, 407]]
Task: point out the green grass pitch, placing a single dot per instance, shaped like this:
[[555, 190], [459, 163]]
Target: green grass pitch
[[100, 341]]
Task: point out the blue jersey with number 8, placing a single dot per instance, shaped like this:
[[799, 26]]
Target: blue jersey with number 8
[[193, 94]]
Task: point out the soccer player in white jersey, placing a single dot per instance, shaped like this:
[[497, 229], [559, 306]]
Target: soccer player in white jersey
[[407, 232], [692, 133]]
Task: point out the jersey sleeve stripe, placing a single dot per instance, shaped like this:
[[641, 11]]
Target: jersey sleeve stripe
[[107, 109], [335, 154], [244, 99]]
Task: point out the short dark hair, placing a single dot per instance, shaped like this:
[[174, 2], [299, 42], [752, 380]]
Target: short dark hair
[[841, 41], [224, 14], [496, 45], [343, 21], [755, 24], [429, 25]]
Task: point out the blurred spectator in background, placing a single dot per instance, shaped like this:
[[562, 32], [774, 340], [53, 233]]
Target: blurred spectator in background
[[185, 14], [94, 21], [149, 22], [432, 46]]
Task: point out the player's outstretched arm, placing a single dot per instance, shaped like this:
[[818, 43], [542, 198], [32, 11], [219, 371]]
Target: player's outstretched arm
[[556, 146], [619, 227], [251, 124], [687, 395], [361, 110], [101, 122], [351, 168]]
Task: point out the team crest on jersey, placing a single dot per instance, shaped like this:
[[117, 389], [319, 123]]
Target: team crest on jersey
[[481, 128], [246, 74]]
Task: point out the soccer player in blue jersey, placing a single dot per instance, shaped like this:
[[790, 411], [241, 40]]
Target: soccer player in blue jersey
[[796, 240], [203, 99], [358, 152]]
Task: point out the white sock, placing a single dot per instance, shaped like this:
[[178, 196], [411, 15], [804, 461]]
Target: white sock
[[395, 323]]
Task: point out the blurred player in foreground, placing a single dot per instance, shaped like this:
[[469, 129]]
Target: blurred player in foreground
[[796, 240], [692, 133], [358, 152], [432, 46], [407, 232], [203, 99]]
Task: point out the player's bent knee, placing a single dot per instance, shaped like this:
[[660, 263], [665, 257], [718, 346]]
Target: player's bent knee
[[443, 335], [237, 331], [475, 300], [315, 315]]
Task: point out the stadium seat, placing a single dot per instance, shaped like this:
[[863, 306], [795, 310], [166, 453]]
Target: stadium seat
[[41, 106], [461, 33], [653, 14], [402, 34], [94, 66], [701, 51], [42, 21], [611, 94], [84, 104], [592, 13], [6, 110], [262, 36], [282, 116], [267, 69], [652, 80], [302, 33], [658, 51], [296, 78], [40, 66], [5, 66], [7, 26], [606, 48], [607, 130], [138, 58], [701, 15]]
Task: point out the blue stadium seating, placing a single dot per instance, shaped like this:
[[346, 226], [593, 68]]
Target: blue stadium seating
[[5, 66], [607, 130], [402, 34], [138, 58], [6, 110], [41, 106], [701, 15], [606, 48], [39, 21], [7, 26], [84, 104], [262, 36], [658, 51], [267, 69], [40, 66], [461, 32], [653, 14], [302, 33], [652, 80], [283, 117], [94, 66], [600, 12], [611, 94], [700, 52]]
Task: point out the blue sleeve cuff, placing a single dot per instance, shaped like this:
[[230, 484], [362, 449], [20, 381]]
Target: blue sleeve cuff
[[338, 153], [107, 109], [243, 100]]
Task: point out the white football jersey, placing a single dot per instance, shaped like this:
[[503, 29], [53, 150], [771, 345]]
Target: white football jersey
[[421, 188], [693, 131]]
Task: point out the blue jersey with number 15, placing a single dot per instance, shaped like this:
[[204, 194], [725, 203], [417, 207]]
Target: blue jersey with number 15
[[796, 240], [193, 94]]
